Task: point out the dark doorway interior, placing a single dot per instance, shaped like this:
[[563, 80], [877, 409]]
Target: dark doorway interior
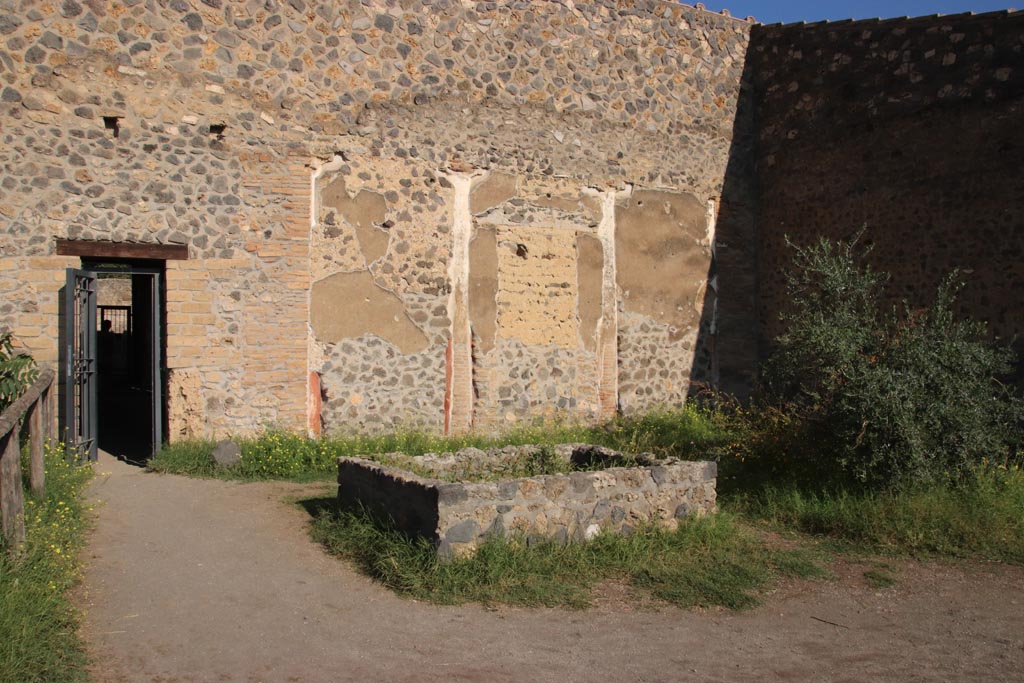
[[130, 357]]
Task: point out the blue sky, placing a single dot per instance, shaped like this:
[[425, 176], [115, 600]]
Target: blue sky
[[771, 11]]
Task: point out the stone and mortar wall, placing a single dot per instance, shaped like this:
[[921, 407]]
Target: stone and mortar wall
[[204, 123], [565, 507], [379, 315], [468, 212], [909, 130], [378, 192], [573, 506]]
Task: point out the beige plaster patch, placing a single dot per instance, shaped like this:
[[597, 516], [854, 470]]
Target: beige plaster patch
[[349, 305], [483, 286], [537, 286], [590, 272], [365, 212], [488, 193], [661, 265], [184, 404]]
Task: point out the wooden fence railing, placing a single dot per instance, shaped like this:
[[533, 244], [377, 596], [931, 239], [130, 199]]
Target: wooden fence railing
[[37, 407]]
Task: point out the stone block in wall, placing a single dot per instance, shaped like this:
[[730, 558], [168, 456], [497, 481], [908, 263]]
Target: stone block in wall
[[184, 404]]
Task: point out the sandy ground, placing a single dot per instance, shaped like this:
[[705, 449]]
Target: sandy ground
[[196, 580]]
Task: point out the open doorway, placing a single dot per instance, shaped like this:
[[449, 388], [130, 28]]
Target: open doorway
[[129, 356]]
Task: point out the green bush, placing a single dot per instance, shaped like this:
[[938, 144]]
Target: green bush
[[17, 371], [887, 398]]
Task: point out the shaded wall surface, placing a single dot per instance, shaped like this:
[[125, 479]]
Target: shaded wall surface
[[912, 130], [403, 212]]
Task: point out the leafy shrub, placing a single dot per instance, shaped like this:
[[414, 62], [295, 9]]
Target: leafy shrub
[[888, 398], [17, 371]]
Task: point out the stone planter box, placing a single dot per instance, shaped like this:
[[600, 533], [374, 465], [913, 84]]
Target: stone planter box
[[458, 516]]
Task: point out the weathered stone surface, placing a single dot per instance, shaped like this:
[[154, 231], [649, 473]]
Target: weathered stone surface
[[226, 454], [185, 405], [537, 290]]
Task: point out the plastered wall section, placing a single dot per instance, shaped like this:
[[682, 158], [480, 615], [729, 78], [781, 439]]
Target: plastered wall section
[[663, 243], [530, 359], [541, 308], [379, 299], [909, 131]]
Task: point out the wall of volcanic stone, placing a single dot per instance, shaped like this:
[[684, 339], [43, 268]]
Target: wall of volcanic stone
[[909, 130], [444, 214]]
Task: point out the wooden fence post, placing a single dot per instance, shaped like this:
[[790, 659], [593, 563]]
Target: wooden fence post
[[36, 467], [12, 501], [50, 401]]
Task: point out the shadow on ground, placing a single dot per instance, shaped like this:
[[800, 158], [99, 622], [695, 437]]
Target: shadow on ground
[[318, 505]]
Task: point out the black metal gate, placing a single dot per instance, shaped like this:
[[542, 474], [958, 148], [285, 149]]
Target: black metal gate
[[147, 327], [138, 352], [80, 363]]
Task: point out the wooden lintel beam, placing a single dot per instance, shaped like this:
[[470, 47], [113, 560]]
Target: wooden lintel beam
[[98, 249]]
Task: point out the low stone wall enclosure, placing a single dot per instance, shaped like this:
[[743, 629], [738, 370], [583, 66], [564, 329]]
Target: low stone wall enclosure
[[627, 492]]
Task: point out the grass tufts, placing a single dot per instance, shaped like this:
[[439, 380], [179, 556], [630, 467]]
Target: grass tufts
[[687, 433], [983, 517], [715, 561], [38, 636], [879, 579]]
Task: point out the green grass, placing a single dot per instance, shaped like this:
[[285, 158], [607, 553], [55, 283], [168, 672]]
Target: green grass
[[879, 579], [706, 562], [687, 433], [763, 481], [981, 518], [38, 636]]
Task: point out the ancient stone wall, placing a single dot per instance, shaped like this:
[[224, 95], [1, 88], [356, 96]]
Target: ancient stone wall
[[459, 215], [468, 205], [346, 174], [909, 130], [573, 506]]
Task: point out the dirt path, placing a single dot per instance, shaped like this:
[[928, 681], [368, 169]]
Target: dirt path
[[195, 580]]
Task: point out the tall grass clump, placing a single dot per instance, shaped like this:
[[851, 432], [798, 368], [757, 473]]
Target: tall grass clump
[[981, 518], [38, 625]]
